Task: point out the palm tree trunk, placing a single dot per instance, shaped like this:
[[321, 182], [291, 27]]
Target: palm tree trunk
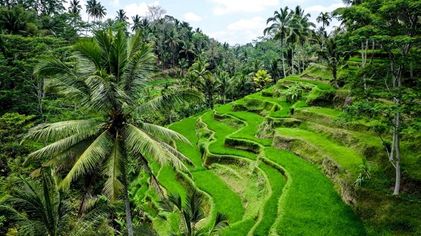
[[129, 224], [283, 64], [127, 209]]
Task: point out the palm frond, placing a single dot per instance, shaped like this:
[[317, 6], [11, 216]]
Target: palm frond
[[63, 129], [66, 77], [194, 206], [139, 142], [176, 200], [138, 69], [59, 146], [162, 133], [221, 221], [113, 186], [171, 98], [176, 153], [89, 49], [89, 159], [175, 159]]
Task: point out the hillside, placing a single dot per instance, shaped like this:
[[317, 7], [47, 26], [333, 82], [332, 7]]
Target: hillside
[[276, 165]]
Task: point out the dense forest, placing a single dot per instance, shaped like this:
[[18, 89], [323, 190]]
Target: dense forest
[[147, 126]]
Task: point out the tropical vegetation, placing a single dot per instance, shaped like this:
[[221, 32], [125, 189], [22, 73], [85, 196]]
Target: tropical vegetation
[[142, 125]]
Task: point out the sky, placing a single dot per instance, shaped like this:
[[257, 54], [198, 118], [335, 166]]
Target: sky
[[231, 21]]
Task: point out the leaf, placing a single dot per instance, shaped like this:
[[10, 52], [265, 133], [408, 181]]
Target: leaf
[[89, 159], [113, 186]]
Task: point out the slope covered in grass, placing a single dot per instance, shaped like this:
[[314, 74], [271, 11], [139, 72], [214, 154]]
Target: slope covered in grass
[[275, 166]]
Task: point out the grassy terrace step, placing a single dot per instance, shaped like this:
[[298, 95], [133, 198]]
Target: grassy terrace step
[[247, 181], [305, 203], [346, 157], [274, 177], [321, 84], [225, 200], [251, 121], [310, 205], [323, 187], [365, 143], [222, 130], [270, 211]]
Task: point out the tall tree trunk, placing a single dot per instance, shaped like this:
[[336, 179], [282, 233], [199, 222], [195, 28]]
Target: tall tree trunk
[[283, 58], [283, 64], [364, 48], [397, 153], [335, 76], [129, 224], [127, 209]]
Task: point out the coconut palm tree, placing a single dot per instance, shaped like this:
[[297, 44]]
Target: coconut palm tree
[[281, 30], [95, 9], [100, 11], [204, 81], [301, 31], [90, 8], [324, 18], [191, 212], [137, 22], [108, 79], [121, 16], [224, 86], [75, 7], [334, 57], [15, 20], [36, 207]]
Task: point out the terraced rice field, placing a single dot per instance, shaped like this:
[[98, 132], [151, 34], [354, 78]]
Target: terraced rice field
[[269, 184]]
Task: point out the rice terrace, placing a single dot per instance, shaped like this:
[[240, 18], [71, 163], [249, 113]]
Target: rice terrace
[[210, 117]]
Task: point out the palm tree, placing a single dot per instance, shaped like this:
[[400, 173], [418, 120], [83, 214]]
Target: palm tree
[[173, 42], [40, 208], [75, 7], [333, 56], [137, 22], [280, 29], [36, 208], [300, 33], [108, 79], [90, 8], [324, 18], [224, 86], [121, 16], [191, 212], [203, 80], [95, 9], [100, 11], [15, 20]]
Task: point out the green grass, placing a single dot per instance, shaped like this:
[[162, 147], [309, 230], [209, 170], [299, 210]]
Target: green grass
[[251, 123], [222, 130], [323, 111], [318, 71], [346, 157], [239, 229], [270, 211], [245, 180], [320, 84], [310, 204], [187, 127], [226, 201]]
